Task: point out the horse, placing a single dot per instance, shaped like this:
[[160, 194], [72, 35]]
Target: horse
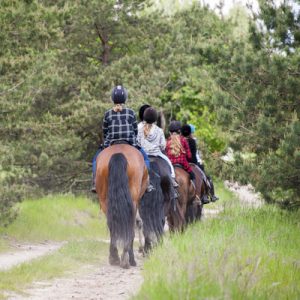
[[121, 180], [151, 212], [194, 209], [187, 194]]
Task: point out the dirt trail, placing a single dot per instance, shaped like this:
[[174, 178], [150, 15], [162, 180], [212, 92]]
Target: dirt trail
[[98, 282], [26, 253], [92, 282]]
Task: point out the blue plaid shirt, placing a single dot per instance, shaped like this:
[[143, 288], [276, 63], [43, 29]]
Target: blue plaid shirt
[[120, 126]]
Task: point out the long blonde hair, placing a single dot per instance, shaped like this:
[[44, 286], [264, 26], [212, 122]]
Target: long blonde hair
[[147, 128], [175, 144]]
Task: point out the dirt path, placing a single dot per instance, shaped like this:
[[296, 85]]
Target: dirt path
[[93, 282], [24, 253]]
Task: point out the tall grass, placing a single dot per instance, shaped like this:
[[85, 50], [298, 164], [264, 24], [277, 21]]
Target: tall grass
[[57, 218], [243, 253]]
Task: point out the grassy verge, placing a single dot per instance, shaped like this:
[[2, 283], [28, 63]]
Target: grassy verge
[[56, 218], [243, 253], [69, 257], [76, 220]]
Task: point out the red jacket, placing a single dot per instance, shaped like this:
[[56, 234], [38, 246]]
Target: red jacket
[[182, 158]]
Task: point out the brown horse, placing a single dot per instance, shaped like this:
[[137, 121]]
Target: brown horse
[[186, 190], [194, 209], [121, 181]]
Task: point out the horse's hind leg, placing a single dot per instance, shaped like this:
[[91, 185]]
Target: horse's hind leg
[[114, 258], [125, 259], [131, 256], [139, 226]]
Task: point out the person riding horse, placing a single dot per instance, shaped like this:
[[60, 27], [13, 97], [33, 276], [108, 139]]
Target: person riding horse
[[120, 126], [178, 149], [152, 139], [186, 131]]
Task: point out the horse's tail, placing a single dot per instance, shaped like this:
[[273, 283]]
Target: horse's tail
[[152, 206], [120, 210]]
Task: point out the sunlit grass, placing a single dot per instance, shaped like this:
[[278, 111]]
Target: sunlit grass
[[57, 218], [243, 253], [75, 220]]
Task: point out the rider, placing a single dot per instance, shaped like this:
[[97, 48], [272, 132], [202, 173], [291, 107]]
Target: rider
[[178, 149], [186, 131], [119, 124], [152, 138]]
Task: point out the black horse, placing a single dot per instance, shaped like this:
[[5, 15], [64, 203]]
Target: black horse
[[151, 211]]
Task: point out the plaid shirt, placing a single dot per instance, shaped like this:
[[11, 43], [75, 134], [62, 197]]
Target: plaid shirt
[[182, 158], [120, 126]]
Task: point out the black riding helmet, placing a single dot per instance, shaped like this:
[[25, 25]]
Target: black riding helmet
[[150, 115], [186, 130], [175, 126], [142, 110], [119, 94]]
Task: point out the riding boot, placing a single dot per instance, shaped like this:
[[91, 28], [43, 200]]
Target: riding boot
[[213, 197], [93, 188]]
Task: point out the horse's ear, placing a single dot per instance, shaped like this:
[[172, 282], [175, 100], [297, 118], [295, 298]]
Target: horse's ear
[[161, 120]]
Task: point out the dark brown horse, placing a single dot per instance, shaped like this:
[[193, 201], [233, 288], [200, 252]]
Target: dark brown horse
[[121, 181], [194, 209], [186, 190]]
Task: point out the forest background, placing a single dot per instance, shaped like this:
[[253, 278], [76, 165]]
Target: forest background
[[236, 78]]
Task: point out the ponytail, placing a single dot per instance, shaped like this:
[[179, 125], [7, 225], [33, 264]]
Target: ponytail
[[147, 128]]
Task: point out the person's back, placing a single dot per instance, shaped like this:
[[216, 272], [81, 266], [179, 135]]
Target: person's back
[[186, 132], [119, 124], [177, 147], [151, 139]]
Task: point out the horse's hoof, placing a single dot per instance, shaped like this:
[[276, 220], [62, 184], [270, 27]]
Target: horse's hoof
[[114, 261], [133, 263], [125, 261]]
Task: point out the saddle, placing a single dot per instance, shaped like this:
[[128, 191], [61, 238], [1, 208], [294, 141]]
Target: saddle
[[178, 166], [120, 142]]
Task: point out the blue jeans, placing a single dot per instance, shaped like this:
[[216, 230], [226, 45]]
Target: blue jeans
[[94, 162]]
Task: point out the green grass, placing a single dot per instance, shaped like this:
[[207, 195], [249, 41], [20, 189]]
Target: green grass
[[69, 257], [57, 218], [243, 253], [76, 220]]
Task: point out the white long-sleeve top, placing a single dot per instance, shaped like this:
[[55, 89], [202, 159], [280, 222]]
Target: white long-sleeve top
[[155, 142]]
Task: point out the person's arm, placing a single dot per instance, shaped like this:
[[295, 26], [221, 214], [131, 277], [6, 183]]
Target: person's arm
[[134, 124], [193, 147], [105, 126], [162, 141], [139, 135]]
